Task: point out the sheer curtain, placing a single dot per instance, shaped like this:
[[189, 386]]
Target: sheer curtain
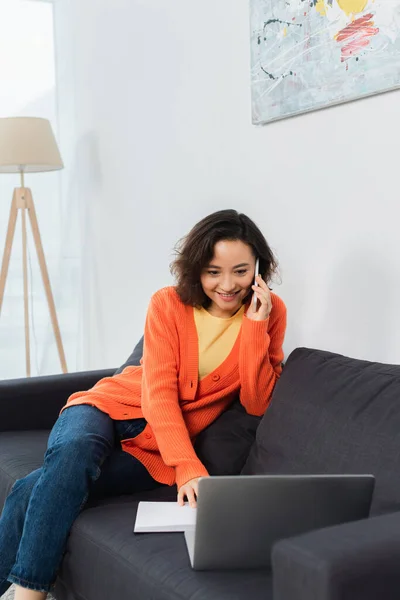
[[29, 88]]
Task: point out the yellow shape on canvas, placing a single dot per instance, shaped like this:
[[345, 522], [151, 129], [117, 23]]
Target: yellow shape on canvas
[[320, 6], [352, 7]]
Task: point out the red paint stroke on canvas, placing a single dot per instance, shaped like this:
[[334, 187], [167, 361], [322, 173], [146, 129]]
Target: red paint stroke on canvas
[[353, 48], [356, 34], [354, 27]]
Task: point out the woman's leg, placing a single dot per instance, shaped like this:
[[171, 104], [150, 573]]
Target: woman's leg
[[121, 474], [79, 443], [25, 594], [12, 523]]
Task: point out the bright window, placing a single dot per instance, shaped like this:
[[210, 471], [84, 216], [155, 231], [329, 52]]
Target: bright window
[[27, 67]]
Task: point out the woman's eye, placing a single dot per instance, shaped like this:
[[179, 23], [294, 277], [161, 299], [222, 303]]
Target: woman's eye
[[212, 272], [241, 272]]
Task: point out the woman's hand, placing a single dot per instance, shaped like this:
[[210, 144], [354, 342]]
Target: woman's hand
[[261, 310], [190, 491]]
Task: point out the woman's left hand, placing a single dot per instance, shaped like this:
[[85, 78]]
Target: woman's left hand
[[190, 491], [261, 310]]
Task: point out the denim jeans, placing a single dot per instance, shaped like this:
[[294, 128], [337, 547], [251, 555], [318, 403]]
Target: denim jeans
[[84, 459]]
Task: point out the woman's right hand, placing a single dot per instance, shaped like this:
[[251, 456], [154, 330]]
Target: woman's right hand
[[190, 491]]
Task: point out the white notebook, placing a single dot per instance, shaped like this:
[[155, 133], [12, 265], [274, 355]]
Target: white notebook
[[155, 517]]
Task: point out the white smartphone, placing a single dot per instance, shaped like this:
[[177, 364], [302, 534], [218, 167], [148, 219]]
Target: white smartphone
[[255, 279]]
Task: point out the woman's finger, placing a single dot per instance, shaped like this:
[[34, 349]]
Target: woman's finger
[[181, 497], [254, 303], [263, 289], [262, 283], [196, 487], [264, 298], [188, 491], [263, 286], [261, 294], [191, 497]]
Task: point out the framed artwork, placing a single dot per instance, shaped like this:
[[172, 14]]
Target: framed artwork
[[309, 54]]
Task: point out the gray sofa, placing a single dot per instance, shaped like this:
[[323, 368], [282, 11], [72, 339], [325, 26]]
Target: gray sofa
[[329, 414]]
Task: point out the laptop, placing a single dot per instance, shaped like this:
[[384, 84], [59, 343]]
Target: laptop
[[239, 518]]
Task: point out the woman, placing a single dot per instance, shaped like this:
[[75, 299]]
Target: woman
[[213, 335]]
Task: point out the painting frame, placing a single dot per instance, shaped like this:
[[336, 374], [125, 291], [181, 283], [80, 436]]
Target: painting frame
[[275, 93]]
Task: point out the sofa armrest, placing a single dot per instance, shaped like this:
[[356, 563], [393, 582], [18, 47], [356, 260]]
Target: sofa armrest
[[355, 561], [34, 403]]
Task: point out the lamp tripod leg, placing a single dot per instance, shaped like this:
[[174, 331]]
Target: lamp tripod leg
[[26, 298], [45, 277], [7, 248]]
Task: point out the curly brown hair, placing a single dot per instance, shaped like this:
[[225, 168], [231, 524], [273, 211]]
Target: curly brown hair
[[195, 251]]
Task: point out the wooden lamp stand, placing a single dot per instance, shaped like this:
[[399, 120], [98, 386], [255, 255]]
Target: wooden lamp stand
[[22, 201]]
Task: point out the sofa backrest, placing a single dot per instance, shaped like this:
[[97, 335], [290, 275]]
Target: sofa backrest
[[331, 414], [134, 358]]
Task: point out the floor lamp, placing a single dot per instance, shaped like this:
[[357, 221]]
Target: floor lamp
[[28, 145]]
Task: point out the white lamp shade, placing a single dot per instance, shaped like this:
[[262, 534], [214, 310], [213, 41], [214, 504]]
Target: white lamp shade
[[28, 144]]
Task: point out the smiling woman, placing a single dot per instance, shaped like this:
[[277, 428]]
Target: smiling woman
[[226, 282], [206, 344], [215, 262]]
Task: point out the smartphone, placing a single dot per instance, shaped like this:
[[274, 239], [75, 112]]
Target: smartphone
[[255, 279]]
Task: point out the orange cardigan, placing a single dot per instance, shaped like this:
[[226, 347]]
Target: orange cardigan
[[166, 391]]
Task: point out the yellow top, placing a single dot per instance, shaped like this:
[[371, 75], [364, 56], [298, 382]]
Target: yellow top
[[216, 338]]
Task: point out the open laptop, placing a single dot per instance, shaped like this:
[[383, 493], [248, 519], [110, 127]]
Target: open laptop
[[239, 518]]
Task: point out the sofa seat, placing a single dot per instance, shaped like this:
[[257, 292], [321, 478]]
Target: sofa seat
[[142, 567], [20, 453]]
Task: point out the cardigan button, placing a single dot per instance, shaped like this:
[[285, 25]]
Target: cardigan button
[[147, 436], [216, 377]]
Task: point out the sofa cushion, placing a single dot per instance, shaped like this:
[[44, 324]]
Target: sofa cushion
[[224, 446], [20, 453], [106, 560], [333, 414], [134, 358]]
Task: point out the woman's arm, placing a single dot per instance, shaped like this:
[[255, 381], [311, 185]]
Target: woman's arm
[[160, 401], [260, 358]]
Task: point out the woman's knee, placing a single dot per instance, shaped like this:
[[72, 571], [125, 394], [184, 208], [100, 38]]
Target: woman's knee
[[84, 454], [81, 425]]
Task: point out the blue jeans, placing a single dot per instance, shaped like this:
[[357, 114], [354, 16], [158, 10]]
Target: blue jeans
[[84, 459]]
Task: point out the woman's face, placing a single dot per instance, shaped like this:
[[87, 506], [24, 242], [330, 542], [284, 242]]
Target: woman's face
[[228, 278]]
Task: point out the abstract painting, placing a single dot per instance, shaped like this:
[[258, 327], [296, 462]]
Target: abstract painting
[[308, 54]]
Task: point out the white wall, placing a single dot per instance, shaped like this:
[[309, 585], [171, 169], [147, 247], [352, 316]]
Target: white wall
[[164, 136]]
